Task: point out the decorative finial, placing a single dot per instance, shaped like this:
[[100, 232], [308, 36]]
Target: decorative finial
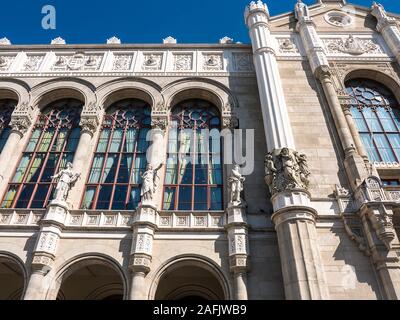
[[169, 40], [58, 40], [225, 40], [255, 6], [5, 42], [114, 40]]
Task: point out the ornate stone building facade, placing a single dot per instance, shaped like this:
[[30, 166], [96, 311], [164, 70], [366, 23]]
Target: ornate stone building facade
[[86, 215]]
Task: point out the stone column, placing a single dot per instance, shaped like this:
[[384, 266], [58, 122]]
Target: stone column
[[389, 29], [44, 254], [20, 126], [354, 164], [83, 156], [278, 132], [286, 170], [144, 227], [238, 249]]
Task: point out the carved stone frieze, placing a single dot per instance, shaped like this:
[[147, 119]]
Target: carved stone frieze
[[89, 124], [286, 45], [33, 63], [159, 123], [122, 62], [212, 61], [183, 61], [20, 124], [286, 169], [78, 62], [352, 45], [152, 61], [242, 61]]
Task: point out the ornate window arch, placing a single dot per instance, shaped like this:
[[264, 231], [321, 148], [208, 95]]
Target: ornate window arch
[[7, 107], [193, 176], [52, 145], [115, 178], [377, 115]]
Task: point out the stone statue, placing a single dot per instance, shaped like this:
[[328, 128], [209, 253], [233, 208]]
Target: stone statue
[[286, 170], [379, 11], [301, 11], [66, 180], [235, 183], [149, 185], [270, 170]]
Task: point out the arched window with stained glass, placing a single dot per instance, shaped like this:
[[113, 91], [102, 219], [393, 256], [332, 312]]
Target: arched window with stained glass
[[7, 107], [376, 113], [190, 182], [52, 145], [115, 178]]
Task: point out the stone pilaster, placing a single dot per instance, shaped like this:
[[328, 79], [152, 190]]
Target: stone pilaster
[[389, 29], [44, 254], [239, 253], [144, 226], [354, 164]]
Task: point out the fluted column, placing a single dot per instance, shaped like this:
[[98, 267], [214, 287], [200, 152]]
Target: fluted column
[[278, 132], [389, 29], [286, 170]]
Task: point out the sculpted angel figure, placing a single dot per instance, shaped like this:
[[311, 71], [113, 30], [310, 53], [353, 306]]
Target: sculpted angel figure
[[301, 10], [66, 180], [235, 183], [303, 166], [149, 185], [288, 164]]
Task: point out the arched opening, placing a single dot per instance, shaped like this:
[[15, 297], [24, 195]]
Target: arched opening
[[12, 279], [93, 279], [190, 280]]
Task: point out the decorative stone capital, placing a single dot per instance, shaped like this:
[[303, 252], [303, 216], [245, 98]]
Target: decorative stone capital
[[89, 125], [239, 263], [160, 123], [140, 263], [56, 213], [42, 263], [286, 169], [231, 122], [296, 213], [323, 73], [236, 216], [145, 215], [20, 124]]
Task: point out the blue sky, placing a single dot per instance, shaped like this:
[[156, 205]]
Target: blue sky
[[145, 21]]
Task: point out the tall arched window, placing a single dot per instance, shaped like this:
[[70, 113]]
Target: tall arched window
[[52, 144], [114, 181], [7, 107], [190, 182], [376, 113]]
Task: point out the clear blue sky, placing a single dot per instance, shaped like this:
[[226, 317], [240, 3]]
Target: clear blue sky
[[144, 21]]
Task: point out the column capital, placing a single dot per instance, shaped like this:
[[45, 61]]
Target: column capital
[[323, 73], [140, 263], [89, 124], [20, 124], [239, 263], [159, 123]]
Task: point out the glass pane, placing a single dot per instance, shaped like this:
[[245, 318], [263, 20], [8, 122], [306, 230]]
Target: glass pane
[[139, 168], [59, 141], [73, 140], [185, 171], [369, 146], [33, 141], [396, 116], [134, 199], [8, 199], [4, 137], [96, 169], [124, 168], [185, 198], [394, 140], [119, 197], [110, 168], [216, 199], [359, 120], [171, 173], [173, 141], [169, 198], [103, 202], [200, 174], [40, 196], [143, 143], [116, 140], [384, 148], [34, 171], [46, 140], [130, 140], [25, 196], [23, 165], [200, 198], [49, 168], [372, 120], [89, 197], [103, 141]]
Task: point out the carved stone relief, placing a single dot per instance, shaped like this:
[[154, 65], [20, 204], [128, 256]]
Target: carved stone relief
[[152, 61], [183, 62], [242, 61], [33, 63], [78, 62], [212, 61], [352, 45], [122, 62]]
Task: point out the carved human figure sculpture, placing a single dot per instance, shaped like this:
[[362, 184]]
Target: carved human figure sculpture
[[301, 11], [235, 183], [66, 180], [149, 185]]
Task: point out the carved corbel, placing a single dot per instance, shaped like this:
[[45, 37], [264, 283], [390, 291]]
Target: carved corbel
[[89, 124], [20, 124]]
